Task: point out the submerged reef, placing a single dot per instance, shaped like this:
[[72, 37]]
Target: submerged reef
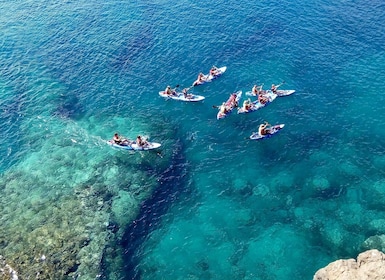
[[53, 234], [66, 202], [47, 235], [6, 271]]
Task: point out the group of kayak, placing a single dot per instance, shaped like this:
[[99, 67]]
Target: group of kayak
[[264, 97], [140, 143], [184, 95], [214, 73], [181, 96]]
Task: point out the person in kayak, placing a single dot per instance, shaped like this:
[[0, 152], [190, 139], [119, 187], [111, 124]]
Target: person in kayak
[[169, 91], [141, 142], [264, 129], [262, 98], [255, 90], [232, 101], [201, 78], [247, 105], [186, 94], [214, 71], [274, 88], [223, 109], [119, 140]]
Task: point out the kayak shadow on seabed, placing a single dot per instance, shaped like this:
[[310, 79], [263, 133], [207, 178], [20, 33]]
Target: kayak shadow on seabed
[[171, 185]]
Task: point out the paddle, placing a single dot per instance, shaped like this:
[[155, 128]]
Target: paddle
[[174, 89], [217, 106], [188, 88], [159, 154], [277, 86], [268, 125], [276, 89]]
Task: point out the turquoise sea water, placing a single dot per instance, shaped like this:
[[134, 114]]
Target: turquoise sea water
[[74, 72]]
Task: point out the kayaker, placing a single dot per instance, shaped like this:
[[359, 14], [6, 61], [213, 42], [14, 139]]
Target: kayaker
[[186, 94], [262, 99], [200, 79], [214, 71], [169, 91], [223, 109], [274, 88], [264, 129], [256, 90], [232, 101], [119, 140], [141, 142], [247, 105]]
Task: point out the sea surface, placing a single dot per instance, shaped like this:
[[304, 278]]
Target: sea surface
[[72, 73]]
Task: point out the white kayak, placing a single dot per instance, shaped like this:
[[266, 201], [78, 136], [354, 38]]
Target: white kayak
[[147, 146], [279, 92], [272, 131], [209, 78], [255, 105], [226, 108], [181, 97], [131, 145]]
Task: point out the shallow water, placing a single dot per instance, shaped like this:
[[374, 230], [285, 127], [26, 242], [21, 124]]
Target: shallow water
[[230, 208]]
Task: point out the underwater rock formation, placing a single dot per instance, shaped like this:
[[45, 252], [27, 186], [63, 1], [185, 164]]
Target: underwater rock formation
[[375, 242], [62, 207], [370, 265], [6, 271]]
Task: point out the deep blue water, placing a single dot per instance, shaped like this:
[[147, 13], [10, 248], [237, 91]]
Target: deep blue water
[[234, 209]]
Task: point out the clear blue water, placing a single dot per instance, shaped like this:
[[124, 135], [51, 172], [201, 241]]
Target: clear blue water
[[228, 208]]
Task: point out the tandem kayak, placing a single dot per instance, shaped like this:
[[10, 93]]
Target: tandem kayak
[[279, 92], [131, 145], [209, 78], [227, 107], [255, 105], [181, 97], [272, 131]]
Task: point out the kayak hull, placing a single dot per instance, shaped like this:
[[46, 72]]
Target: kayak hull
[[273, 130], [149, 146], [209, 78], [286, 92], [256, 105], [180, 97], [224, 115], [279, 92], [134, 147]]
